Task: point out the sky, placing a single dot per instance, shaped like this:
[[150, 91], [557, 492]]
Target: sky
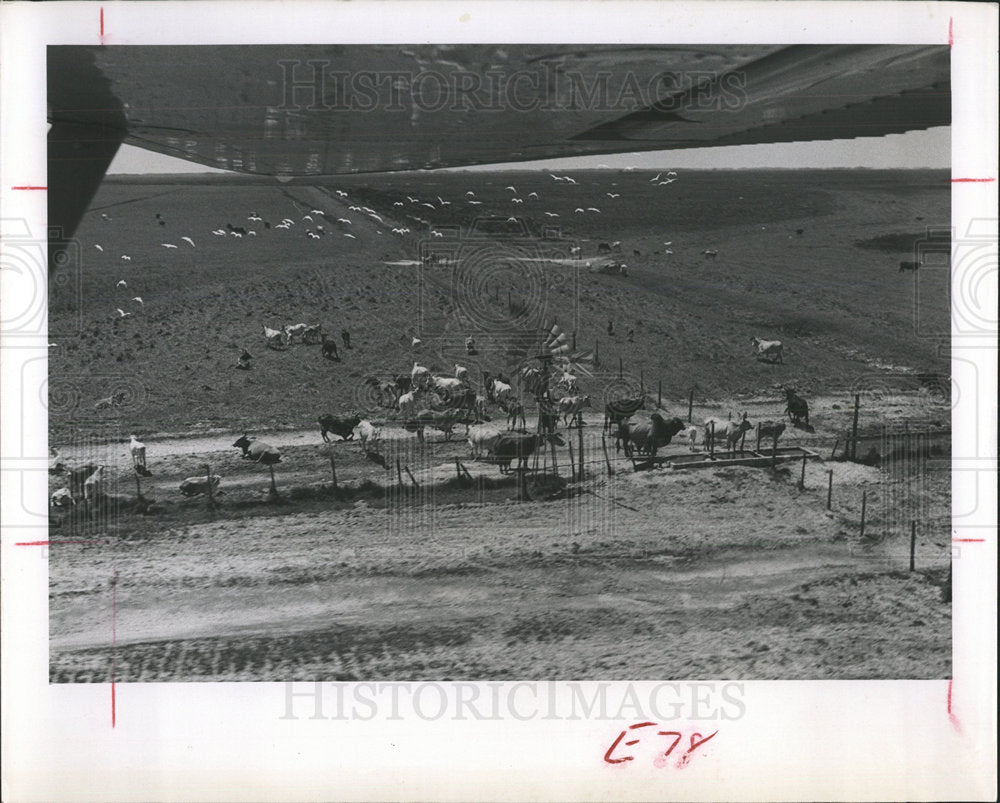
[[915, 149]]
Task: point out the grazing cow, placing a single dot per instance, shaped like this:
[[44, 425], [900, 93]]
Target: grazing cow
[[769, 432], [571, 406], [448, 387], [768, 350], [346, 337], [520, 446], [636, 252], [904, 266], [257, 451], [295, 332], [62, 498], [500, 392], [93, 486], [407, 404], [481, 440], [329, 347], [620, 410], [729, 431], [691, 433], [193, 486], [138, 451], [366, 433], [114, 400], [646, 437], [515, 413], [432, 419], [796, 407], [342, 425], [276, 339], [313, 334]]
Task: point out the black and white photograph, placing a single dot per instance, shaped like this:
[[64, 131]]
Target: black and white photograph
[[395, 394], [518, 360]]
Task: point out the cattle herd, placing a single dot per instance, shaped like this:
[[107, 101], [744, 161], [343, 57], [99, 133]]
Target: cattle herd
[[425, 399]]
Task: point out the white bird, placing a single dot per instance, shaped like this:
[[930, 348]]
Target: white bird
[[613, 194], [316, 212], [443, 202], [532, 194], [368, 209], [512, 220], [668, 181], [188, 240], [475, 203], [516, 201], [668, 252], [412, 200], [397, 231], [122, 283], [429, 206], [551, 214], [399, 203], [254, 218], [655, 178], [98, 247], [235, 234], [341, 193], [437, 234], [351, 236], [672, 173], [126, 258], [471, 193], [168, 245], [579, 209], [122, 313], [567, 178], [373, 216], [138, 300], [511, 189], [670, 243], [557, 178], [312, 235], [354, 209], [344, 220], [222, 233], [104, 216], [251, 233], [53, 345], [593, 209], [307, 217]]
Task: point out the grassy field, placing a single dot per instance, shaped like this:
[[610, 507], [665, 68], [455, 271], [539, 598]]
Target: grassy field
[[832, 294]]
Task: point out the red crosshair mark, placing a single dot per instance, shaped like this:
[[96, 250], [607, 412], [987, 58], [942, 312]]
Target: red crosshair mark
[[29, 187], [102, 25], [972, 180]]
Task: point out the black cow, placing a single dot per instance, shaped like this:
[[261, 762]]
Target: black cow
[[796, 407], [904, 265], [520, 446], [645, 437], [346, 337], [620, 410], [330, 348], [432, 419], [603, 248], [257, 451], [342, 425]]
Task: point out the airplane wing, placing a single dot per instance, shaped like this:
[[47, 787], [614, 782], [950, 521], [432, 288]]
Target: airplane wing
[[314, 111]]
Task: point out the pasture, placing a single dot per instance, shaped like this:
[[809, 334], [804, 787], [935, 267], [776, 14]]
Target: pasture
[[729, 572]]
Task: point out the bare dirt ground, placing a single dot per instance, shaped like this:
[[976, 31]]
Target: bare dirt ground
[[725, 572]]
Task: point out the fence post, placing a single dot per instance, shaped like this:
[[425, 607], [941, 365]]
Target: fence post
[[836, 443], [607, 460], [758, 437], [574, 341], [580, 443], [802, 479], [854, 427], [659, 393], [690, 404], [208, 480], [774, 450], [621, 367], [412, 478], [399, 473], [864, 505], [572, 461], [711, 440], [913, 544], [829, 488], [333, 470], [458, 469], [642, 383]]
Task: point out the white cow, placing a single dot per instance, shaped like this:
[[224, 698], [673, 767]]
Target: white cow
[[571, 406], [92, 486], [366, 432], [729, 432], [62, 498], [419, 375], [138, 450], [768, 350], [482, 440], [407, 404], [461, 372], [502, 392]]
